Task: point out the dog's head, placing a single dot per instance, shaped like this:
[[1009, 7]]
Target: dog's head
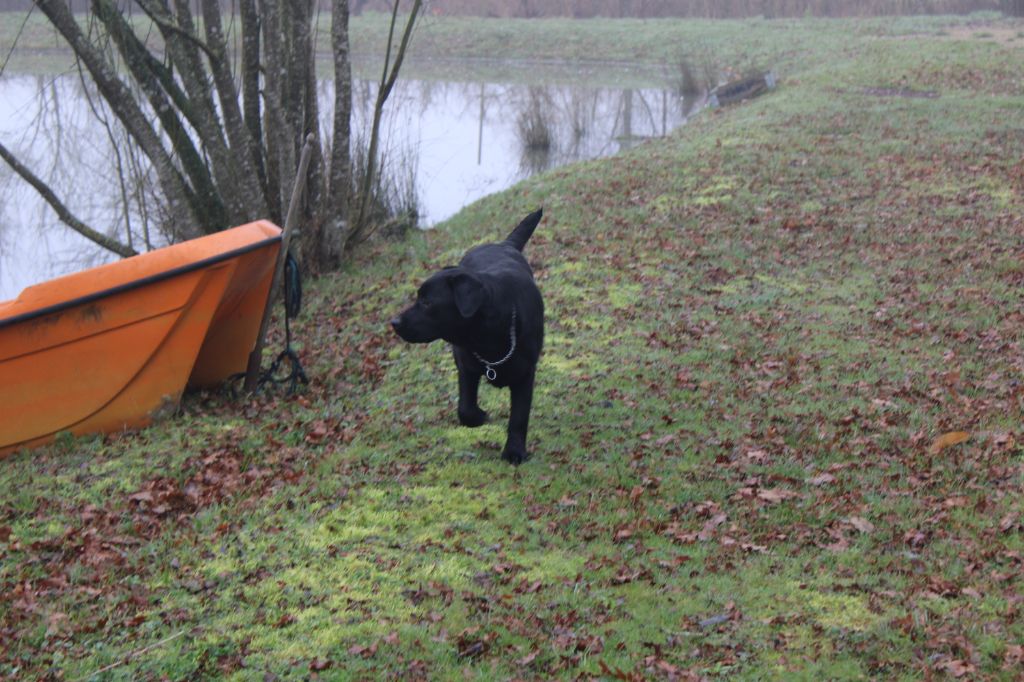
[[445, 305]]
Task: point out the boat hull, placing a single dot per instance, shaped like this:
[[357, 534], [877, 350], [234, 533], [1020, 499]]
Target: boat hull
[[113, 347]]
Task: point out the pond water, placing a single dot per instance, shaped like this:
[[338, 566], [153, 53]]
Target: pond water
[[454, 139]]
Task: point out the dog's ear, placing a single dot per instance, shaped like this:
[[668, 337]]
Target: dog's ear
[[470, 294]]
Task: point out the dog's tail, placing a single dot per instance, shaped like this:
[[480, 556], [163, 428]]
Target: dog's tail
[[524, 230]]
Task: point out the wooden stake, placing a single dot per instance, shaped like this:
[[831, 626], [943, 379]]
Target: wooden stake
[[252, 372]]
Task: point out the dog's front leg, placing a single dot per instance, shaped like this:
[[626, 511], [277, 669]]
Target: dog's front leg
[[470, 413], [518, 421]]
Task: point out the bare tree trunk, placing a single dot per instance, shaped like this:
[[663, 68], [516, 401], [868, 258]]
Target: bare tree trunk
[[185, 49], [158, 84], [303, 73], [336, 206], [251, 200], [278, 138], [251, 86]]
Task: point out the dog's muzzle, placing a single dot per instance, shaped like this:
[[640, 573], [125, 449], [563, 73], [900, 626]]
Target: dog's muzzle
[[409, 330], [397, 324]]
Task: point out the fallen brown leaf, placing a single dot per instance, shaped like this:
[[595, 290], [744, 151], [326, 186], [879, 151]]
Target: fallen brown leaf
[[955, 667], [947, 440]]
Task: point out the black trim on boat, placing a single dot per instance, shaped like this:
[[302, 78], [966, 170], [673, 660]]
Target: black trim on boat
[[135, 284]]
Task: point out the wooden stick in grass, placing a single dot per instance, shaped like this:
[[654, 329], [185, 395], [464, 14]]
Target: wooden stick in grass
[[252, 372]]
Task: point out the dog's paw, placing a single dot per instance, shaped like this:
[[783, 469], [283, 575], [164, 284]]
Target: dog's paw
[[515, 456], [472, 419]]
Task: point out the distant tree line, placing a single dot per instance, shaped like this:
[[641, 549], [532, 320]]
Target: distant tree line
[[715, 9], [650, 9]]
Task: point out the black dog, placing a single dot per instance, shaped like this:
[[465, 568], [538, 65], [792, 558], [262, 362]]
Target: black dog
[[490, 310]]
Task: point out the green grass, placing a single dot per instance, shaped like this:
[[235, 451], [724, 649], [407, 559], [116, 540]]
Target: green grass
[[756, 329]]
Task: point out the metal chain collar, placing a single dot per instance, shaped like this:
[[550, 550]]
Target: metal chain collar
[[489, 366]]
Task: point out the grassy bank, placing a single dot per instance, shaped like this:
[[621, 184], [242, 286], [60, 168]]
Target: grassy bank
[[759, 331]]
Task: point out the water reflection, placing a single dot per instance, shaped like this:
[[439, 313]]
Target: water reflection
[[473, 138], [461, 139]]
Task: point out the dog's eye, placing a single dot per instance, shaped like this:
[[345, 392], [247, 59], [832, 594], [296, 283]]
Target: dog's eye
[[425, 303]]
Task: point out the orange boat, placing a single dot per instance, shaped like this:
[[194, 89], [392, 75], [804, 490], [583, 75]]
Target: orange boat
[[113, 347]]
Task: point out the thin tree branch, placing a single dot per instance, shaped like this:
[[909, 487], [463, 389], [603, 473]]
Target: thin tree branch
[[402, 47], [168, 26], [387, 48], [14, 43], [145, 67], [61, 210], [105, 122], [387, 81]]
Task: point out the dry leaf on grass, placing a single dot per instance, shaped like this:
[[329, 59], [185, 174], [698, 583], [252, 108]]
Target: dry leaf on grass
[[947, 440]]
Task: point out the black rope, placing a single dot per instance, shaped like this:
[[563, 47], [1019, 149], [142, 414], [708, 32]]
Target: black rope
[[292, 286], [292, 306], [288, 357]]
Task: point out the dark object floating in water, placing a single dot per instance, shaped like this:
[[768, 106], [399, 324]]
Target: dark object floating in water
[[745, 88]]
